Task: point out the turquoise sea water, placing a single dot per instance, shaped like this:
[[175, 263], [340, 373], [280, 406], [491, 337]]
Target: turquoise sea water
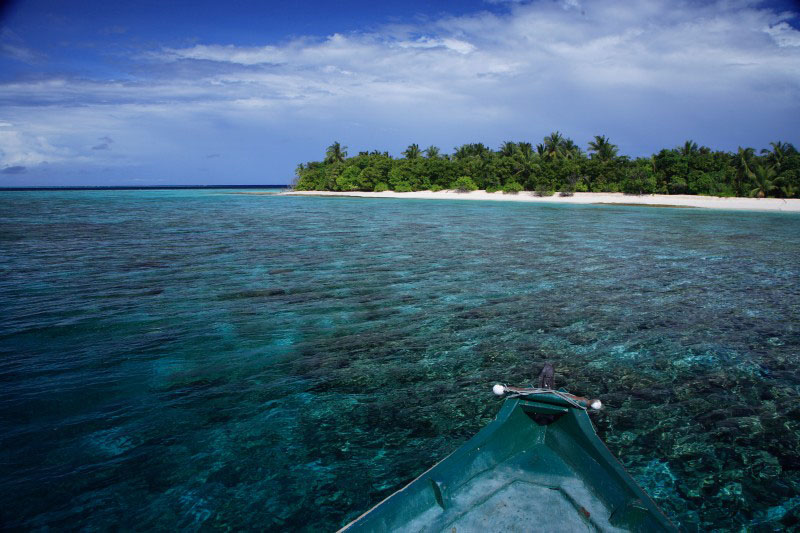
[[213, 360]]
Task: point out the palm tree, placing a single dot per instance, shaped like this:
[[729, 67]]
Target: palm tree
[[472, 149], [524, 162], [742, 163], [412, 152], [764, 180], [570, 150], [480, 149], [336, 153], [602, 148], [688, 148], [432, 152], [779, 152], [553, 145], [526, 149], [507, 149], [789, 190]]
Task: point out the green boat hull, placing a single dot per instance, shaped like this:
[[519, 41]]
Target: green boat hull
[[538, 466]]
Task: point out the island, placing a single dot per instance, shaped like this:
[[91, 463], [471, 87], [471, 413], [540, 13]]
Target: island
[[558, 170]]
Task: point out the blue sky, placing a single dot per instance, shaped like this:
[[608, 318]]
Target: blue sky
[[154, 93]]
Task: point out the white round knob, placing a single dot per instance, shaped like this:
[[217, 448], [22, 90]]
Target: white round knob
[[596, 404], [499, 390]]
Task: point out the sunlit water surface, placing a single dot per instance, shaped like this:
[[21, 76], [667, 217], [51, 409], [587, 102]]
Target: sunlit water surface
[[210, 360]]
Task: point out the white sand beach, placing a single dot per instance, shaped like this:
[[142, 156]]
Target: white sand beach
[[653, 200]]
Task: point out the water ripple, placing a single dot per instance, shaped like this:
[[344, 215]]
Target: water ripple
[[197, 359]]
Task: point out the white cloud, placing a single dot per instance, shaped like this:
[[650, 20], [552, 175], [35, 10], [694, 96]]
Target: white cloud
[[20, 149], [784, 34], [227, 53], [456, 45], [20, 53], [611, 45]]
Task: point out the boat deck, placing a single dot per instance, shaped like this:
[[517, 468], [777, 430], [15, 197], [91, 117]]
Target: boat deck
[[538, 467], [506, 497]]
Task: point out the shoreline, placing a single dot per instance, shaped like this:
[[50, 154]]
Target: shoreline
[[790, 205]]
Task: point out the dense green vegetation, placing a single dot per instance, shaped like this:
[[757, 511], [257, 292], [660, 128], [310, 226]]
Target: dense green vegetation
[[558, 164]]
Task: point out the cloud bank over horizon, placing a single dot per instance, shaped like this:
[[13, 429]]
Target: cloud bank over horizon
[[649, 75]]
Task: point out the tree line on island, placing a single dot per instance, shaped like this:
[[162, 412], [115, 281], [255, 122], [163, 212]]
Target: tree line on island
[[559, 165]]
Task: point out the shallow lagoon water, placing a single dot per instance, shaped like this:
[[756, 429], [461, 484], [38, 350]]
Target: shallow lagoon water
[[211, 360]]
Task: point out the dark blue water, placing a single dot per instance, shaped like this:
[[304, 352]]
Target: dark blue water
[[213, 360]]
